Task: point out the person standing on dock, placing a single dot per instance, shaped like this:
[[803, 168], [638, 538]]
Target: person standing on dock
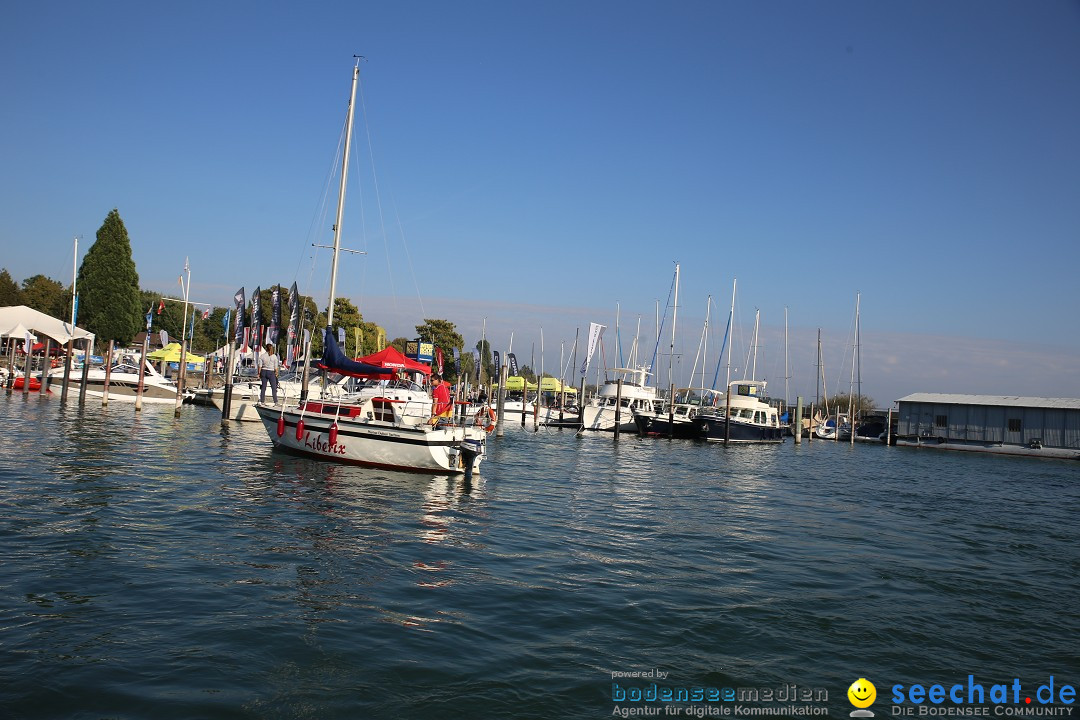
[[268, 366]]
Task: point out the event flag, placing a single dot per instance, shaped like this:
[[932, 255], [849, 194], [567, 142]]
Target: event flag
[[275, 315], [596, 332], [294, 313], [238, 331], [256, 319]]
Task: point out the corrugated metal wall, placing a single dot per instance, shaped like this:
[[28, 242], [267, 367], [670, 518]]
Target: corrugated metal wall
[[1058, 428]]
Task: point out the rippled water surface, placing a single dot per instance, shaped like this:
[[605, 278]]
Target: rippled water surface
[[162, 567]]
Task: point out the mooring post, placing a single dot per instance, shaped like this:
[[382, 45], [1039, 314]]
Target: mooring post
[[798, 419], [618, 406]]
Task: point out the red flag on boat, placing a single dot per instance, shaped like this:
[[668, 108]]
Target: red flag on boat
[[161, 306]]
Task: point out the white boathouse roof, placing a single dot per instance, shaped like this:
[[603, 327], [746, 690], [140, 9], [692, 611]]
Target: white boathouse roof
[[996, 400]]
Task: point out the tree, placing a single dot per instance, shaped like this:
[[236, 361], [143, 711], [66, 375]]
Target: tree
[[210, 334], [840, 403], [9, 290], [170, 317], [443, 334], [46, 295], [487, 365], [109, 296], [347, 317], [468, 366]]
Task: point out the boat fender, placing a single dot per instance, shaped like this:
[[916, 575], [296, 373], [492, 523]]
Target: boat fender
[[333, 433], [485, 418], [299, 429], [280, 425]]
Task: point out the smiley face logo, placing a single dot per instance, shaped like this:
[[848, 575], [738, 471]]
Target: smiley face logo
[[862, 693]]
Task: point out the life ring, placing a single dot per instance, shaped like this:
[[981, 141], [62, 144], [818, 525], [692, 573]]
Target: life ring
[[485, 418]]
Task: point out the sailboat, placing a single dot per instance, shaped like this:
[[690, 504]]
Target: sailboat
[[674, 417], [373, 431]]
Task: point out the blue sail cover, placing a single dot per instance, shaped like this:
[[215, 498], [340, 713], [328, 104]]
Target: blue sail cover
[[333, 360]]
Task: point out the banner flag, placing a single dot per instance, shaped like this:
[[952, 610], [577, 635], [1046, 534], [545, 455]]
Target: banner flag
[[256, 319], [238, 331], [294, 313], [275, 315], [596, 331]]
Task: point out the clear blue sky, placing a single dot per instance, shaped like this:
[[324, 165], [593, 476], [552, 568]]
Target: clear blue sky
[[538, 163]]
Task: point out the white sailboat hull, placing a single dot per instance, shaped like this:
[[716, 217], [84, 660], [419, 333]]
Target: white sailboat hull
[[375, 443]]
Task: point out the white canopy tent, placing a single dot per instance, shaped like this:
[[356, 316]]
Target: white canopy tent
[[15, 320]]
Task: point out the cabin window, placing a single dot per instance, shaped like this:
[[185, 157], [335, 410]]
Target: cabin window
[[759, 417], [1014, 424], [941, 421]]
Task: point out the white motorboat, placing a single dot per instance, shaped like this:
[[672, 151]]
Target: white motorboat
[[636, 396], [123, 379]]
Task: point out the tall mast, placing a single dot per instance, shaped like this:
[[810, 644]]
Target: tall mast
[[757, 317], [852, 408], [341, 195], [730, 322], [618, 336], [858, 348], [705, 342], [74, 280], [817, 394], [674, 315], [787, 372]]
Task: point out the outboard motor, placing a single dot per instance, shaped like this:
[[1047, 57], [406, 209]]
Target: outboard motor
[[470, 450]]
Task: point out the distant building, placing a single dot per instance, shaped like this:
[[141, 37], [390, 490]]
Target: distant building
[[1047, 427]]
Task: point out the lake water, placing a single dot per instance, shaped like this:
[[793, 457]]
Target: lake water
[[162, 567]]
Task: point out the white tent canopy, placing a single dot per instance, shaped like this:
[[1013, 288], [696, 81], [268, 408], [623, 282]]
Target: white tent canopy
[[15, 320]]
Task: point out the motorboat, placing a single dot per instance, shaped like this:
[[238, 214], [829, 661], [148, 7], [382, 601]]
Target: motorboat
[[123, 382], [599, 413], [676, 420], [745, 417]]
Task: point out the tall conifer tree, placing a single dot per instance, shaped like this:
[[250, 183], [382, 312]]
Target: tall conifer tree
[[109, 301]]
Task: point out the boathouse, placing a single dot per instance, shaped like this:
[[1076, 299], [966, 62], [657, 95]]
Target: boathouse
[[1006, 424]]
